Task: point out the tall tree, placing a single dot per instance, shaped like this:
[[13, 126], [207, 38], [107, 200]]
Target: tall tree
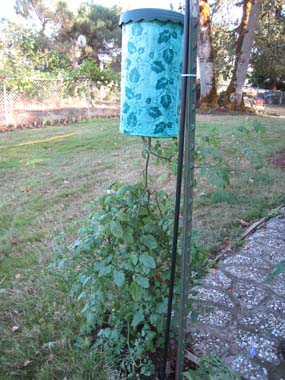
[[100, 26], [27, 52], [208, 90], [48, 15], [268, 58], [233, 97]]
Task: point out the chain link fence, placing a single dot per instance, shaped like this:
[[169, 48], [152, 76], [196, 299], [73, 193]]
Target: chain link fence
[[38, 101]]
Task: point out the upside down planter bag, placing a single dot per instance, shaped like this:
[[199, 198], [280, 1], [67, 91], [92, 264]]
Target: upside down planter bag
[[152, 44]]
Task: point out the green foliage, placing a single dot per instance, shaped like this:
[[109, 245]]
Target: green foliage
[[47, 43], [27, 54], [123, 260], [211, 368], [223, 41], [211, 160], [100, 26], [50, 15], [268, 57], [89, 74], [89, 69], [279, 268]]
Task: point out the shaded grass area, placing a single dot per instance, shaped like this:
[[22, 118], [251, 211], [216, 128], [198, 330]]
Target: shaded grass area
[[48, 177]]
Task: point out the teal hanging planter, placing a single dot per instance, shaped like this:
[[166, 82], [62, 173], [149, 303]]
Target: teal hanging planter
[[152, 41]]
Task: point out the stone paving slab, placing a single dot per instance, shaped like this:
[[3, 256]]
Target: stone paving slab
[[242, 309]]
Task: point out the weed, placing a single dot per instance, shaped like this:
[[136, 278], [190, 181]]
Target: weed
[[211, 368]]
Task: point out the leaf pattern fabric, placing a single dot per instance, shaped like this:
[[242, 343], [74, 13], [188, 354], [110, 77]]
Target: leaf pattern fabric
[[151, 78]]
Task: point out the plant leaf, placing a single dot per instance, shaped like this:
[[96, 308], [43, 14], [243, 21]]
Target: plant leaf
[[119, 278], [280, 268], [136, 291], [147, 261], [149, 241], [116, 229], [142, 281], [138, 317]]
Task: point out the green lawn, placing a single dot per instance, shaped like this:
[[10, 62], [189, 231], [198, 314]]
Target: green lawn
[[47, 179]]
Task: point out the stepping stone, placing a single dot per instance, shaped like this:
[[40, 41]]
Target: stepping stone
[[241, 308]]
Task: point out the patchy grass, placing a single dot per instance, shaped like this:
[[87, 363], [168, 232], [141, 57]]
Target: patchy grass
[[48, 177], [252, 193]]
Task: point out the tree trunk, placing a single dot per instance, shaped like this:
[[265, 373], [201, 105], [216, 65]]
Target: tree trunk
[[233, 97], [208, 94]]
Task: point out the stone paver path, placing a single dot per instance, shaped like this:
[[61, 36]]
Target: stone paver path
[[242, 311]]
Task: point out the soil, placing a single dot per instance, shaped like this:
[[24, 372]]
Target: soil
[[278, 159], [64, 116], [59, 116]]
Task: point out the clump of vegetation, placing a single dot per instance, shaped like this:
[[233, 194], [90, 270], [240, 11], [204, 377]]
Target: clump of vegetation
[[212, 368], [122, 258]]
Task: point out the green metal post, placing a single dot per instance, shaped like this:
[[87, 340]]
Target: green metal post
[[190, 125]]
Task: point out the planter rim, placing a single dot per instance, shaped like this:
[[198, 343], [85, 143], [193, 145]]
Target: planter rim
[[151, 14]]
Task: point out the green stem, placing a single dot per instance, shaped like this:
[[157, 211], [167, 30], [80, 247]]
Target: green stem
[[145, 172], [159, 156]]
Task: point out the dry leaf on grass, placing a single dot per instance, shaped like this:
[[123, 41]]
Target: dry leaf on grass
[[243, 223], [23, 363], [14, 329]]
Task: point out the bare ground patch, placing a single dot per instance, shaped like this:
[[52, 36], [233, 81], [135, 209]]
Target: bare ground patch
[[278, 159], [58, 116]]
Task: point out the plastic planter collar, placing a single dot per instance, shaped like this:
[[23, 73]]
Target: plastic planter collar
[[151, 72]]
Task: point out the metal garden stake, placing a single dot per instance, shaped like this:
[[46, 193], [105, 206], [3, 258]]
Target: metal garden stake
[[187, 148]]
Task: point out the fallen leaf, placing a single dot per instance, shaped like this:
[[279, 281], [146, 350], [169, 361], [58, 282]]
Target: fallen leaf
[[22, 363], [51, 357], [243, 223], [14, 329]]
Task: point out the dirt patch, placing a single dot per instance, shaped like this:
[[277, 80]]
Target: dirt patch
[[278, 159], [59, 116], [275, 110]]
